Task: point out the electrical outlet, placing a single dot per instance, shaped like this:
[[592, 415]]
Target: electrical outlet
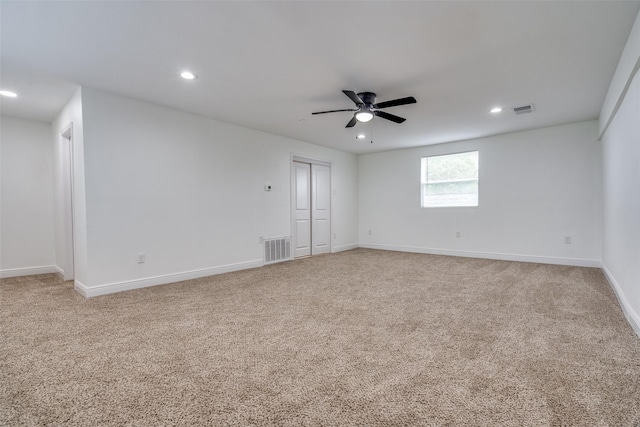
[[260, 239], [567, 240], [457, 234], [334, 235], [141, 258], [369, 232]]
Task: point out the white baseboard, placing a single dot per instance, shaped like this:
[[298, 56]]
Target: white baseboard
[[27, 271], [632, 316], [488, 255], [80, 288], [109, 288], [344, 247]]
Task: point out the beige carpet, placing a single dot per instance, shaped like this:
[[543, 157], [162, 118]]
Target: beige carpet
[[358, 338]]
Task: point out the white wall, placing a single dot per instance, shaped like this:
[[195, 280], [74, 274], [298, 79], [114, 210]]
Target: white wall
[[189, 193], [535, 188], [621, 181], [26, 201], [71, 114]]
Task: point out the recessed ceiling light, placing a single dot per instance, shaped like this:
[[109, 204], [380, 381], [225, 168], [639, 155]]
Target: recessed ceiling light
[[188, 75], [8, 93], [496, 110], [361, 136]]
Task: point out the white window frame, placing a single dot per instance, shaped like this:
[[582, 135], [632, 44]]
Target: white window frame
[[423, 184]]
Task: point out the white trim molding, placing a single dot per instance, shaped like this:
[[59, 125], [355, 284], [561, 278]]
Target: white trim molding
[[631, 315], [343, 248], [626, 70], [109, 288], [305, 159], [80, 288], [577, 262], [28, 271], [609, 118]]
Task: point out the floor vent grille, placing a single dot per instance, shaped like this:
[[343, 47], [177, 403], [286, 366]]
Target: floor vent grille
[[277, 250]]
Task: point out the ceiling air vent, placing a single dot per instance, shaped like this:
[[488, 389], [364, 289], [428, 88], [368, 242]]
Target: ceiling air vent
[[524, 109]]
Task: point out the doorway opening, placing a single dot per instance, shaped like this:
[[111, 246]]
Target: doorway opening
[[311, 207]]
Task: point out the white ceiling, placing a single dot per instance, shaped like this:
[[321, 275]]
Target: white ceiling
[[269, 65]]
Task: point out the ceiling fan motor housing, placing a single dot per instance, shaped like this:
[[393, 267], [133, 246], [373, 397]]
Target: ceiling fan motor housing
[[369, 98]]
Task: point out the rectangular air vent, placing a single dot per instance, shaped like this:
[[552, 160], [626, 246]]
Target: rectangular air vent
[[277, 249], [524, 109]]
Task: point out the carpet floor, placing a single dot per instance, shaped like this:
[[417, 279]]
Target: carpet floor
[[362, 337]]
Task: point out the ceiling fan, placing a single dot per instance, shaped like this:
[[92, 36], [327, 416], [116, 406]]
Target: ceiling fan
[[367, 107]]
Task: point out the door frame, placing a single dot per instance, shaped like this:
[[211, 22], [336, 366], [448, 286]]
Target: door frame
[[312, 161], [67, 145]]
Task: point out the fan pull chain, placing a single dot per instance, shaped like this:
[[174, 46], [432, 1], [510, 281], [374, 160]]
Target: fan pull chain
[[372, 131]]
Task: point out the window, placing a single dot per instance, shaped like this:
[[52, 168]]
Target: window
[[450, 180]]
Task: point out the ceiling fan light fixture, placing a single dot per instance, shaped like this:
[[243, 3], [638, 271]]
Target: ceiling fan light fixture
[[364, 116]]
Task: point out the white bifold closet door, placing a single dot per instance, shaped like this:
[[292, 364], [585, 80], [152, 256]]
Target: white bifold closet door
[[301, 209], [311, 209], [320, 209]]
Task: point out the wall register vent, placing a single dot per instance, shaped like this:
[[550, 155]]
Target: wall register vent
[[277, 250]]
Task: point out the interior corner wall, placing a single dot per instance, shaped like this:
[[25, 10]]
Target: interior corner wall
[[535, 188], [26, 202], [621, 182], [188, 192], [71, 114], [627, 67]]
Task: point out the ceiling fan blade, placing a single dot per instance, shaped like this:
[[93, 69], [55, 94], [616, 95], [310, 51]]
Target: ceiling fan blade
[[395, 102], [352, 122], [352, 95], [388, 116], [333, 111]]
